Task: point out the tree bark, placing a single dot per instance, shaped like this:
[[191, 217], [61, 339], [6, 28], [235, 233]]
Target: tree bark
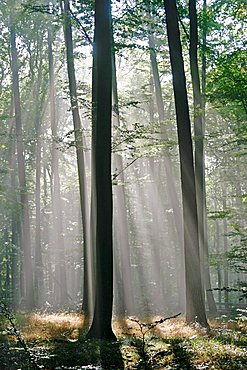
[[125, 294], [79, 154], [25, 235], [209, 293], [60, 271], [40, 95], [198, 125], [161, 112], [15, 217], [101, 325], [39, 275], [195, 310], [218, 251], [199, 129], [225, 249], [170, 182]]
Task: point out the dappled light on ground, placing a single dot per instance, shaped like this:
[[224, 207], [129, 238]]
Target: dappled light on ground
[[57, 341]]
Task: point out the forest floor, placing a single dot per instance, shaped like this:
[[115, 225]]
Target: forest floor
[[52, 341]]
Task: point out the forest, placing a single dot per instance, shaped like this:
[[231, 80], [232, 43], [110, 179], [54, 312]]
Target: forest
[[123, 184]]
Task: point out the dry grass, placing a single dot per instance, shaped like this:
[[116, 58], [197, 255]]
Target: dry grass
[[178, 328], [239, 325], [172, 343], [41, 326], [171, 328]]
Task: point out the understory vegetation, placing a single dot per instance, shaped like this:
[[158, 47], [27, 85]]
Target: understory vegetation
[[55, 341]]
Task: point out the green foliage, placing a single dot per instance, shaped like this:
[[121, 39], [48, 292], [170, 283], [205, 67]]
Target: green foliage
[[144, 345], [237, 256], [228, 80], [141, 140], [215, 215]]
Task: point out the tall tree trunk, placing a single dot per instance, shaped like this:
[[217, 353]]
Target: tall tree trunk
[[60, 271], [25, 238], [225, 249], [122, 233], [195, 310], [14, 259], [151, 102], [80, 157], [171, 189], [7, 264], [39, 268], [15, 237], [170, 181], [199, 128], [15, 217], [39, 275], [46, 222], [217, 247], [101, 325]]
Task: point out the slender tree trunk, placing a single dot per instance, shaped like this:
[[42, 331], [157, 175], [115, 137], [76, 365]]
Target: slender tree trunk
[[26, 238], [45, 236], [15, 252], [7, 265], [209, 293], [225, 246], [101, 325], [15, 237], [122, 232], [170, 182], [80, 156], [207, 278], [151, 102], [39, 275], [14, 261], [60, 273], [217, 242], [198, 125], [39, 268], [204, 62], [171, 189], [199, 128], [195, 310]]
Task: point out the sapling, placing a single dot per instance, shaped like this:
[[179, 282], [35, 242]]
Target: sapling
[[144, 328]]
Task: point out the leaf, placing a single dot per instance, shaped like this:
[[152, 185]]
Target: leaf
[[244, 198], [214, 215]]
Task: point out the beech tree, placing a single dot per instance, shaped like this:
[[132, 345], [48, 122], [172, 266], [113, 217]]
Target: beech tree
[[25, 231], [101, 325], [199, 131], [195, 310], [60, 279], [79, 150]]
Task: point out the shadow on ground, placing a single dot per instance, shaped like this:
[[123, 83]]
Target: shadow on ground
[[99, 354]]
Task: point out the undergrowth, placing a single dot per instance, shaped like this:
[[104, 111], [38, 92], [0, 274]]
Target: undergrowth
[[54, 341]]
